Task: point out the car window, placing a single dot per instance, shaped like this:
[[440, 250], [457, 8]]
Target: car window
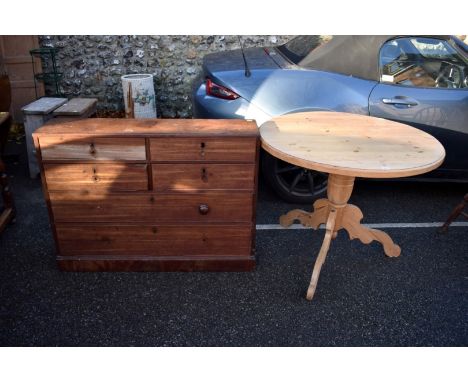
[[299, 47], [423, 62]]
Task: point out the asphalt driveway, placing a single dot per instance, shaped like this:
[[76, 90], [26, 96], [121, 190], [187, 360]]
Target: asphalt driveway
[[363, 298]]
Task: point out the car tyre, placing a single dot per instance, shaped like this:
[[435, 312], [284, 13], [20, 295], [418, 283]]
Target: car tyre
[[292, 183]]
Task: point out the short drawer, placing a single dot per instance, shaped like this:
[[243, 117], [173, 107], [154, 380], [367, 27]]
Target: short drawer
[[154, 240], [96, 177], [181, 208], [203, 149], [121, 149], [212, 176]]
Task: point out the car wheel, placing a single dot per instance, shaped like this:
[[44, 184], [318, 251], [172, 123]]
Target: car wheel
[[292, 183]]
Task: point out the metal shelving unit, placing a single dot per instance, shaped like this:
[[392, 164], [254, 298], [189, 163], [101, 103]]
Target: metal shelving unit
[[52, 77]]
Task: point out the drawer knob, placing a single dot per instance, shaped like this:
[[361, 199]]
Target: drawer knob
[[203, 209], [202, 149], [92, 149], [204, 175]]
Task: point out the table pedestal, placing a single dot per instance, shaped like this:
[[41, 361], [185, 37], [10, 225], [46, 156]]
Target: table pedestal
[[336, 213]]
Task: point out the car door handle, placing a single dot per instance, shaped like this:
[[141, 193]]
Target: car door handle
[[399, 101]]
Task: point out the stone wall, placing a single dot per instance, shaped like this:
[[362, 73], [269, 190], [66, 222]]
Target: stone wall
[[92, 65]]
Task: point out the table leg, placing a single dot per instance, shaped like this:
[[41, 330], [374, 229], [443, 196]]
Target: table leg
[[330, 228], [351, 222], [338, 215]]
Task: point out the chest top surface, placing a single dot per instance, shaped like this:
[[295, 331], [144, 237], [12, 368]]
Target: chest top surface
[[351, 144], [117, 127]]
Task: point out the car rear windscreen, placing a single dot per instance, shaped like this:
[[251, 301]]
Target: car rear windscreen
[[299, 47]]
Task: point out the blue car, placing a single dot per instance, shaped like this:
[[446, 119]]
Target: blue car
[[419, 80]]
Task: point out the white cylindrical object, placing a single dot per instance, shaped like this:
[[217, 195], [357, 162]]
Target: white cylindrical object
[[141, 88]]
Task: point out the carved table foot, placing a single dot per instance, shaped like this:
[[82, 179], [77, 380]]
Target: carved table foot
[[351, 222], [338, 215], [307, 219]]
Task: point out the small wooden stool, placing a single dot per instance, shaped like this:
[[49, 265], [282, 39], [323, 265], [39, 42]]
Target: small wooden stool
[[76, 108], [37, 114]]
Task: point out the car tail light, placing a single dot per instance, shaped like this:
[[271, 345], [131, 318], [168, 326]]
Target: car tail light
[[219, 91]]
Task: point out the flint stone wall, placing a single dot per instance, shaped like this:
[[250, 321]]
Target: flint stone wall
[[92, 65]]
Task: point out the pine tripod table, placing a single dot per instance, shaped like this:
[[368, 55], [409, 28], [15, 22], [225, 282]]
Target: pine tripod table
[[347, 146]]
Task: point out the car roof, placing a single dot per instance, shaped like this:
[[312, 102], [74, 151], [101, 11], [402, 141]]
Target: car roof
[[356, 56]]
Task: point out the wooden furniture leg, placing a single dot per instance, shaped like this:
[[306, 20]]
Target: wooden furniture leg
[[351, 222], [8, 213], [322, 254], [307, 219], [457, 211], [338, 215]]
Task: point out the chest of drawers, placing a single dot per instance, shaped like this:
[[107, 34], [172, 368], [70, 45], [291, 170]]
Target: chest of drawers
[[151, 195]]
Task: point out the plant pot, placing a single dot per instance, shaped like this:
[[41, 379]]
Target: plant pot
[[139, 96]]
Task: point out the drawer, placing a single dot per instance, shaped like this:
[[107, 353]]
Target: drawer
[[186, 177], [120, 149], [182, 208], [203, 149], [96, 177], [139, 240]]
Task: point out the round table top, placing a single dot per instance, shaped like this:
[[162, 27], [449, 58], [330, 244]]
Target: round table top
[[351, 144]]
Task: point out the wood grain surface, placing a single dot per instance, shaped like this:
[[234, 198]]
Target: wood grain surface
[[201, 149], [98, 177], [210, 176], [151, 195], [92, 207], [352, 145], [89, 148], [152, 127], [153, 240], [43, 105], [76, 106]]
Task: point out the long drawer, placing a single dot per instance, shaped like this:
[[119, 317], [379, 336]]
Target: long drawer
[[96, 176], [203, 149], [212, 176], [138, 240], [90, 148], [181, 208]]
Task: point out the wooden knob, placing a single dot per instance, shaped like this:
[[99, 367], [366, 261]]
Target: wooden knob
[[203, 209], [204, 175], [202, 149]]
